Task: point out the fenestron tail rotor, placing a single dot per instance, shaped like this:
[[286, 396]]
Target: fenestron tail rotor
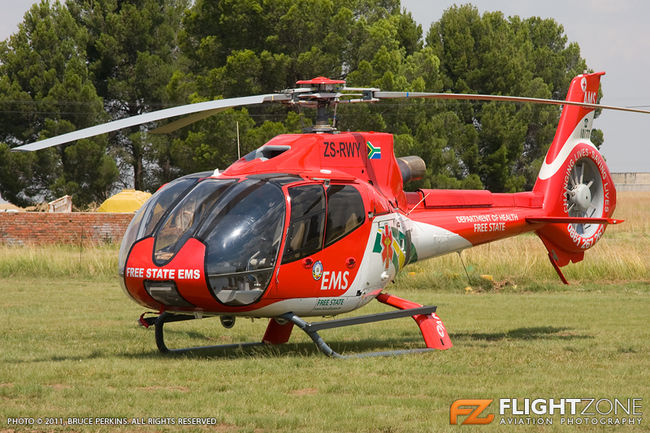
[[585, 195], [321, 93]]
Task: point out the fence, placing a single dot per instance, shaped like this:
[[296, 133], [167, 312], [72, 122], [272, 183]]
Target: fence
[[631, 181]]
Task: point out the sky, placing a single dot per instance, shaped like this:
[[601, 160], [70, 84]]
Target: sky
[[614, 36]]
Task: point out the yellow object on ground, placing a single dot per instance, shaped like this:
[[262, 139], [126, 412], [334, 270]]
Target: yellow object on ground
[[8, 207], [129, 200]]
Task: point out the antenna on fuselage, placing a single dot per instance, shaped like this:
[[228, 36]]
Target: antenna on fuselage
[[238, 146], [460, 255]]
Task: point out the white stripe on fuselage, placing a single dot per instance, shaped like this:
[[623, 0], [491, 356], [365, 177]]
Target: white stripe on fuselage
[[432, 241], [548, 170]]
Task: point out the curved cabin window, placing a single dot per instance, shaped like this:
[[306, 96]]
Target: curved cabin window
[[242, 236], [164, 200], [345, 212], [183, 221], [145, 220], [307, 224]]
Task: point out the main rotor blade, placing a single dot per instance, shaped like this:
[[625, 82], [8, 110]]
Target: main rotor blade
[[201, 108], [185, 121], [503, 98]]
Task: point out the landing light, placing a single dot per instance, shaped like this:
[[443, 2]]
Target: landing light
[[166, 293]]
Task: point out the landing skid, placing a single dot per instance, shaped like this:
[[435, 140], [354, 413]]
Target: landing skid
[[278, 331], [312, 329], [168, 317]]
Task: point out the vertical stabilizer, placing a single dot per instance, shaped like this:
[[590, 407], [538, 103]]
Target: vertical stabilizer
[[574, 178], [574, 127]]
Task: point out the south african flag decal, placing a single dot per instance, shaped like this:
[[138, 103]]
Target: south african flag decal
[[373, 152]]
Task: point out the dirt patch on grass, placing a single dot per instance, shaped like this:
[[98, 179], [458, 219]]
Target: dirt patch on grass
[[59, 386], [304, 391]]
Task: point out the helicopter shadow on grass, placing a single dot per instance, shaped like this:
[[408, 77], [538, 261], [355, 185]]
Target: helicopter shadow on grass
[[363, 346], [306, 348], [95, 354], [526, 333], [300, 349], [309, 349], [347, 348]]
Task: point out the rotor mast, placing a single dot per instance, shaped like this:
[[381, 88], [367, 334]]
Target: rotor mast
[[321, 93]]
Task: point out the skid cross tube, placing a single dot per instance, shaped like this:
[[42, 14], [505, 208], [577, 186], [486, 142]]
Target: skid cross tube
[[312, 329]]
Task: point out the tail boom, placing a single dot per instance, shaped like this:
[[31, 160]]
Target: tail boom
[[452, 220]]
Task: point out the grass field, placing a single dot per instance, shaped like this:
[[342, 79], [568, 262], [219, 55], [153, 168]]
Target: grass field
[[70, 346]]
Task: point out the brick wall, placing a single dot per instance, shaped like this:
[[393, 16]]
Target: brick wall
[[25, 228]]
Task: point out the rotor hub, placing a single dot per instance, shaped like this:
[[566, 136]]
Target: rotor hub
[[580, 195], [584, 195]]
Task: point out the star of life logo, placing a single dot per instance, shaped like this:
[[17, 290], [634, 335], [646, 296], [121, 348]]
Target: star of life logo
[[548, 411]]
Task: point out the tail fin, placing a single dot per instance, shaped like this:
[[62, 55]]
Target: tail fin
[[574, 179]]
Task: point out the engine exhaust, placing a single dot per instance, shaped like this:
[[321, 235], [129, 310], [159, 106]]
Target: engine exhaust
[[411, 168]]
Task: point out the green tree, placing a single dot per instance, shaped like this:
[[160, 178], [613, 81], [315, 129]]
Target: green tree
[[498, 55], [374, 43], [371, 42], [132, 52], [120, 58], [45, 90]]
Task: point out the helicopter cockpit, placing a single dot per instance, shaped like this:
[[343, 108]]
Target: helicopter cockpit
[[239, 221]]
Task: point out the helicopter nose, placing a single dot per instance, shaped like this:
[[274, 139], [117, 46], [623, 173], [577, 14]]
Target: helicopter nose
[[179, 283]]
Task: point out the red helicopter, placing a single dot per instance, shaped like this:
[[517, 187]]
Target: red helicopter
[[317, 224]]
